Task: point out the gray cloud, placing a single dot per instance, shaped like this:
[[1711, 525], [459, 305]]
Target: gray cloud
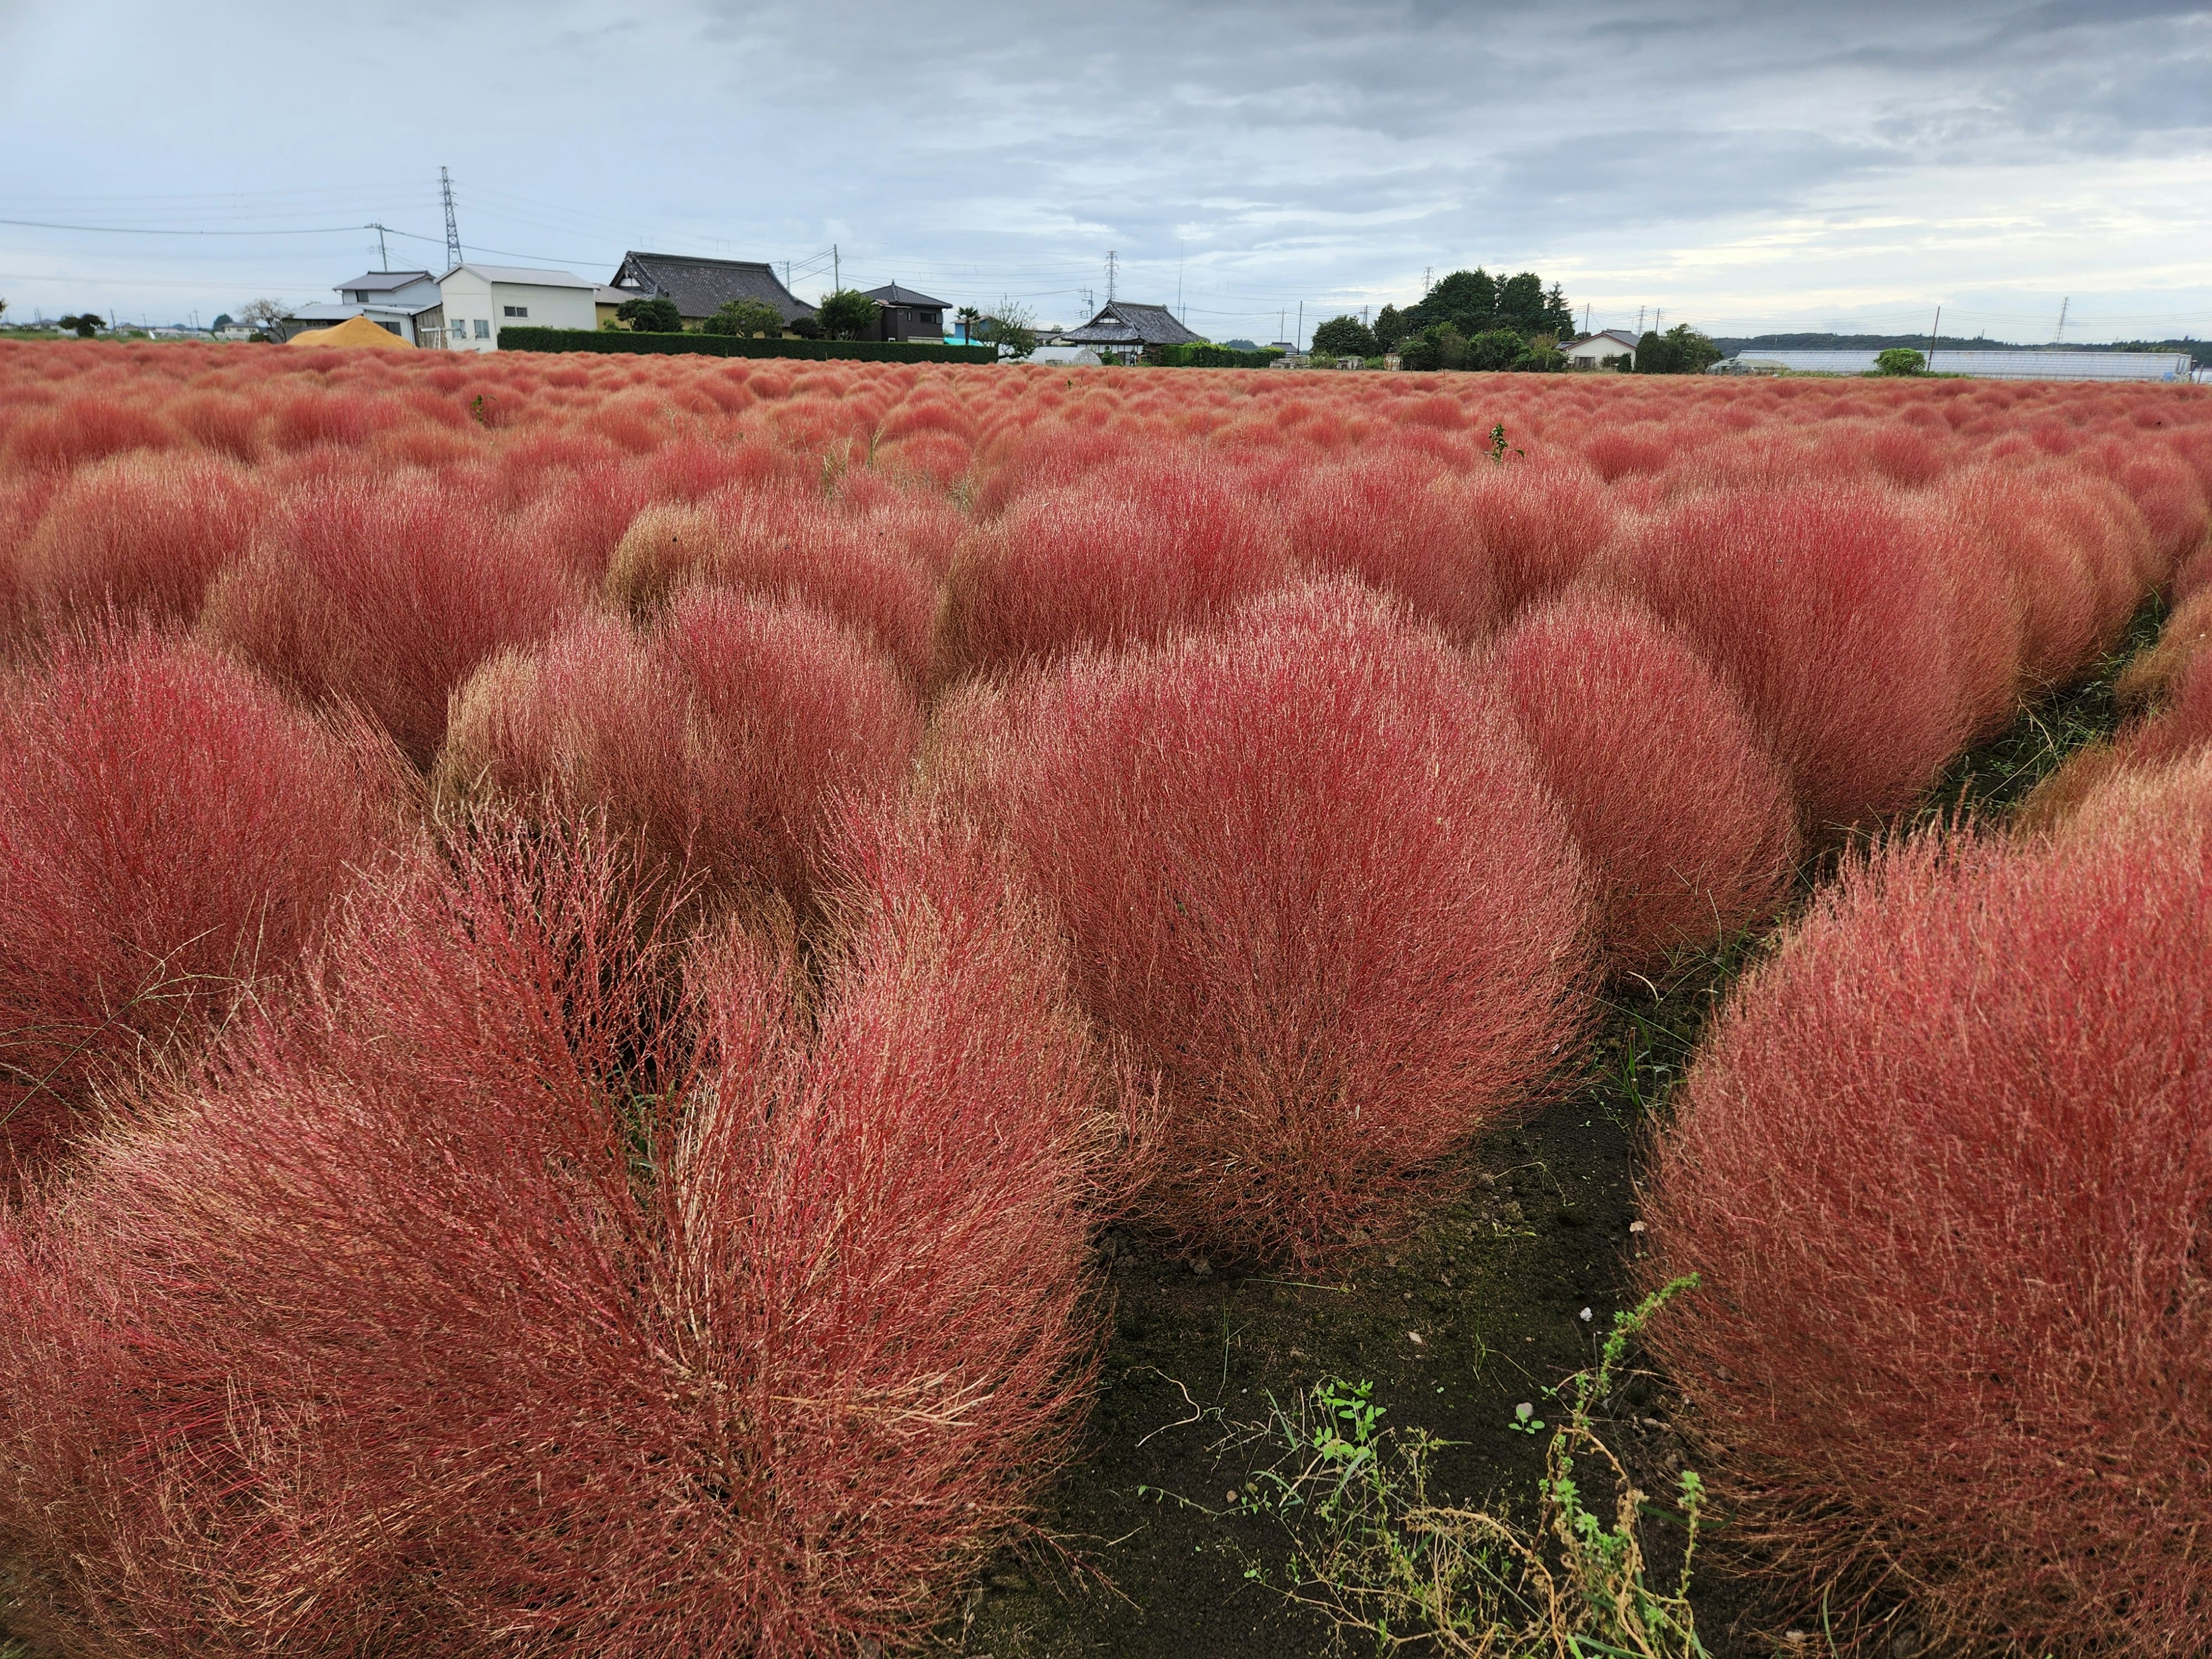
[[1258, 155]]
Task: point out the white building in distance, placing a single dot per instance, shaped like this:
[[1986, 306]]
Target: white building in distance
[[1613, 347], [477, 302]]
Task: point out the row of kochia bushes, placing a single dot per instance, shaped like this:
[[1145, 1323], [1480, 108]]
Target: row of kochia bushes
[[559, 1078]]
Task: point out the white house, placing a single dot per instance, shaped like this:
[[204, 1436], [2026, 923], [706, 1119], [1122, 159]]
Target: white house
[[1609, 347], [477, 302], [393, 300]]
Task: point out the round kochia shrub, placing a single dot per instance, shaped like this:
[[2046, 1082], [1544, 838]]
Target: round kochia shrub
[[473, 1308], [1826, 610], [1945, 1166], [1684, 819], [142, 534], [1118, 559], [721, 738], [171, 833], [1310, 875], [385, 594]]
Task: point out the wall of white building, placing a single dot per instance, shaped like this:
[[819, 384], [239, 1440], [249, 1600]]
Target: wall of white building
[[476, 301]]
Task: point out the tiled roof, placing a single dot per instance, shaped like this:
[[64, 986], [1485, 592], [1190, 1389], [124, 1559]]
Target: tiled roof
[[890, 293], [1123, 322], [703, 287]]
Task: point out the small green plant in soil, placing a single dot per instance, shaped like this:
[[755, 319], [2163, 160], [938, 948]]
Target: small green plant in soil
[[1376, 1552]]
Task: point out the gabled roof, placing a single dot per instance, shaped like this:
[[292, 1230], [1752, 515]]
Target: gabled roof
[[523, 276], [1619, 334], [384, 282], [890, 293], [703, 287], [1123, 322]]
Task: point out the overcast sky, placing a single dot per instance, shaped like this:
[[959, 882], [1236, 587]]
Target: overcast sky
[[1739, 164]]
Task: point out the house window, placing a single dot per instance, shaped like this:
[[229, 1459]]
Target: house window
[[484, 329], [517, 311], [392, 328]]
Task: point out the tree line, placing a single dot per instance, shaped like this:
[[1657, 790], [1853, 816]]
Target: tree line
[[1473, 321]]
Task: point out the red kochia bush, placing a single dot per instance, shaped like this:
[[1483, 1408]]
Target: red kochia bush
[[170, 831], [1684, 819], [1945, 1166], [720, 738], [1118, 559], [1310, 875], [143, 534], [387, 594], [1827, 611], [474, 1307]]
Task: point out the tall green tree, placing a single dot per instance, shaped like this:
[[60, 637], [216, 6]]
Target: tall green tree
[[847, 315], [1345, 337], [1391, 327], [85, 327]]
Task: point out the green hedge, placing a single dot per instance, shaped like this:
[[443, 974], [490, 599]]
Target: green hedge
[[1209, 356], [518, 337]]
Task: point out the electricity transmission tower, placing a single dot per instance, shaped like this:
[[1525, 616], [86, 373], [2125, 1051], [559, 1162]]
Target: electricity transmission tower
[[1112, 260], [453, 225]]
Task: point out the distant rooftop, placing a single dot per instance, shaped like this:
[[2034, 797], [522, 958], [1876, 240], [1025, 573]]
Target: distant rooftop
[[1125, 323], [524, 275], [890, 293], [703, 287], [384, 282]]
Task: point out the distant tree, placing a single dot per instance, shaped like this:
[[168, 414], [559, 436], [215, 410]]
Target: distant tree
[[1345, 337], [222, 320], [1467, 299], [1521, 303], [85, 327], [847, 315], [1544, 356], [3, 306], [1390, 327], [1900, 359], [967, 317], [745, 317], [264, 317], [1681, 351], [1438, 346], [1495, 348], [1240, 345], [1012, 329], [656, 315], [806, 328]]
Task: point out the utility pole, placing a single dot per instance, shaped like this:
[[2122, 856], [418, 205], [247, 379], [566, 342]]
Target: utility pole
[[1639, 322], [1280, 316], [1299, 339], [1935, 334], [1586, 311], [786, 275], [453, 225], [2059, 337], [836, 281], [383, 259], [1113, 261]]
